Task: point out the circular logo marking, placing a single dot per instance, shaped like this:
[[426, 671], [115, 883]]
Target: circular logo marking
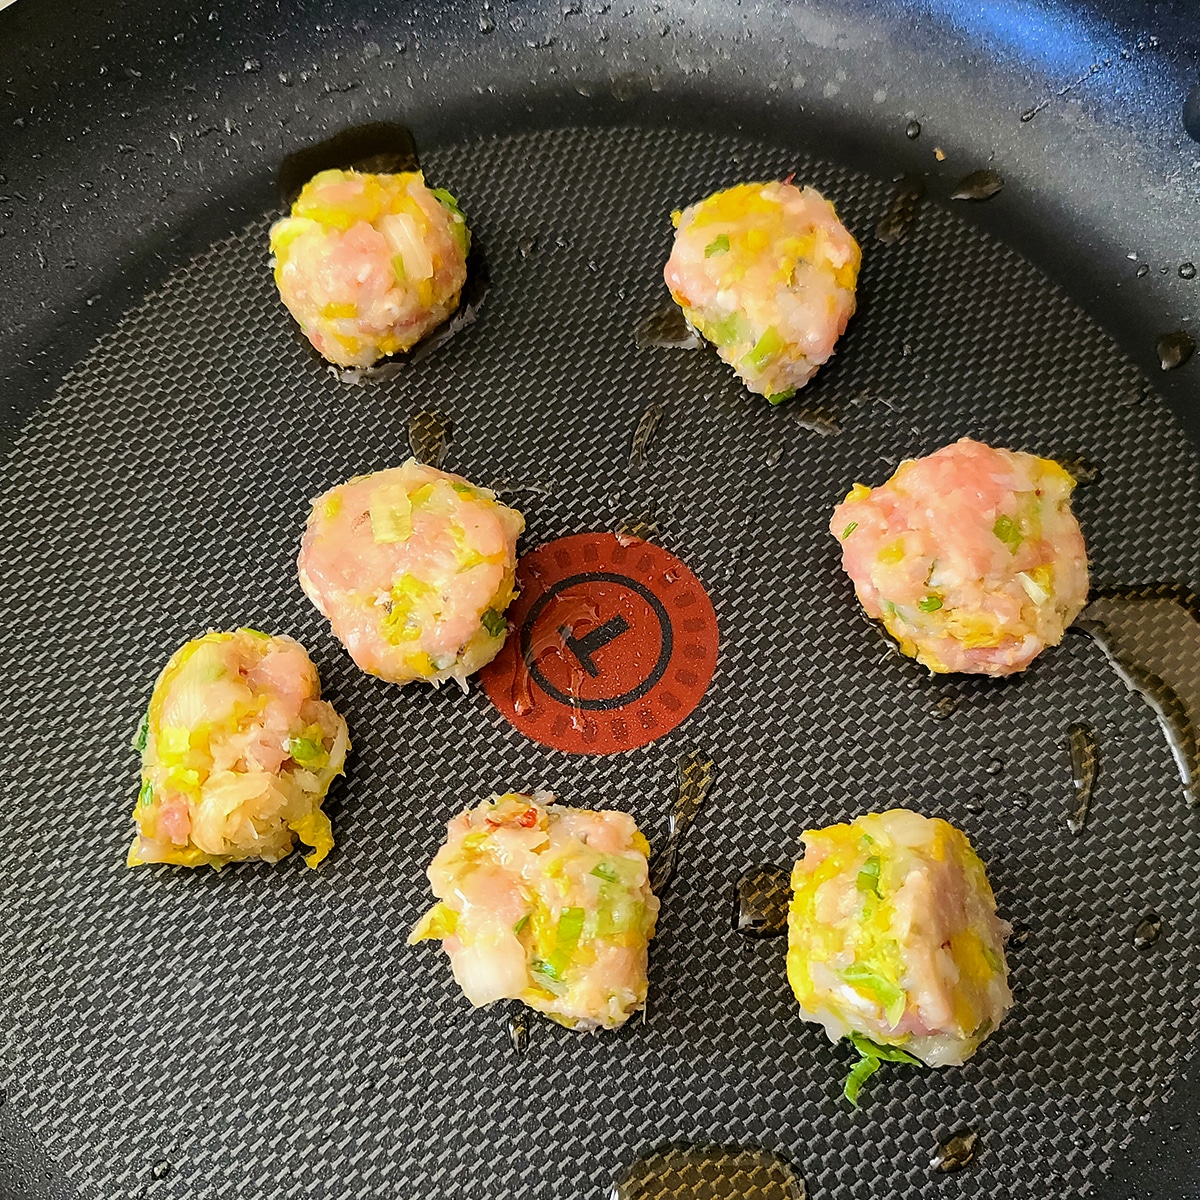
[[612, 645]]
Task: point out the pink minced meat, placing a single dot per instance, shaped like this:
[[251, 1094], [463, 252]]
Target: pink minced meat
[[970, 557]]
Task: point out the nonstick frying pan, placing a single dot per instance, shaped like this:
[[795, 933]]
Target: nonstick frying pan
[[264, 1032]]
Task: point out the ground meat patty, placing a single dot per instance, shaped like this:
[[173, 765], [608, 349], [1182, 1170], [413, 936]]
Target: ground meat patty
[[238, 751], [545, 904], [414, 568], [893, 936], [369, 264], [971, 557], [766, 272]]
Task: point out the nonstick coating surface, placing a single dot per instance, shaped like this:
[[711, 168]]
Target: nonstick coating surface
[[266, 1031]]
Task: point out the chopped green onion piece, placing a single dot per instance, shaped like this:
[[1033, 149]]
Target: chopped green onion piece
[[849, 530], [1009, 532], [871, 1055], [728, 331], [871, 1049], [494, 622], [859, 1074], [459, 225], [884, 990], [398, 268], [145, 794], [566, 938], [719, 245], [521, 925], [991, 957], [931, 603], [868, 876], [764, 349], [308, 752], [604, 871], [143, 732], [444, 198], [780, 397], [255, 632]]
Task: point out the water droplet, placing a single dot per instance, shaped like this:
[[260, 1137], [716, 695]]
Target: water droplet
[[251, 66], [692, 1173], [761, 901], [285, 78], [161, 1169], [1143, 270], [372, 50], [527, 247], [1085, 766], [994, 766], [912, 130], [1147, 931], [957, 1151], [695, 770], [978, 185], [773, 456], [1187, 270], [1174, 349], [902, 210], [646, 427], [975, 805]]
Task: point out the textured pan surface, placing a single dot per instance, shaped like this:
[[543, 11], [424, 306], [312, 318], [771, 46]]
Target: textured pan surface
[[266, 1031]]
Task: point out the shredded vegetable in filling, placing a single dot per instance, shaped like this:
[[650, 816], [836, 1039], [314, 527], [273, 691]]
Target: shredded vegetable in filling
[[545, 904], [238, 751]]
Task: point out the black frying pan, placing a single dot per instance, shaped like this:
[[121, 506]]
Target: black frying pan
[[263, 1034]]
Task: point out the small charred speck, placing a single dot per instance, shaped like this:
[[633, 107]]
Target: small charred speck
[[761, 902], [1147, 931], [1174, 349], [902, 211], [946, 704], [1187, 270], [912, 130], [957, 1151], [979, 185]]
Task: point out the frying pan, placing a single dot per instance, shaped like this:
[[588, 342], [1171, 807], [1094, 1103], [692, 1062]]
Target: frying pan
[[264, 1032]]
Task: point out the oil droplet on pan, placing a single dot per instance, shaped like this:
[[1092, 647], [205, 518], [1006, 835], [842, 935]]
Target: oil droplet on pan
[[696, 1173], [1174, 349], [1085, 766], [957, 1151], [761, 901], [979, 185], [695, 778], [428, 437]]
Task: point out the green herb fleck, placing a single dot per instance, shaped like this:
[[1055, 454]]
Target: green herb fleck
[[868, 876], [143, 732], [931, 603], [780, 397], [1009, 532], [719, 245], [494, 622], [308, 752], [849, 530], [604, 871], [145, 794], [521, 925]]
